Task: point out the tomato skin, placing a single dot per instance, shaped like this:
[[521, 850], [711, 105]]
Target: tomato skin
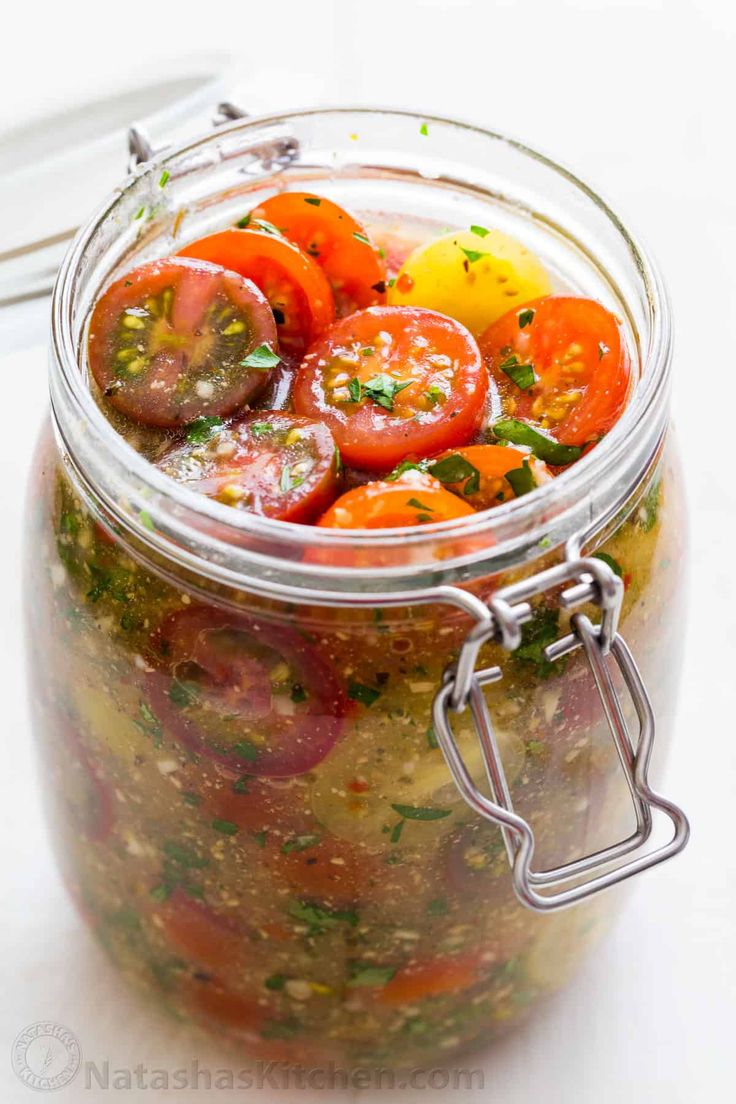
[[413, 499], [208, 940], [580, 358], [291, 281], [235, 682], [432, 978], [178, 352], [338, 243], [331, 871], [243, 465], [492, 462], [430, 353]]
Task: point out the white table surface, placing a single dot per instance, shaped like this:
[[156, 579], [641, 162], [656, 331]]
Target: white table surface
[[637, 95]]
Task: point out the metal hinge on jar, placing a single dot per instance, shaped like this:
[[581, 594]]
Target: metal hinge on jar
[[585, 581]]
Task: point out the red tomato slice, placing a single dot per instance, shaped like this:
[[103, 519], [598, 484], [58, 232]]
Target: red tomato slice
[[194, 930], [167, 341], [213, 1003], [414, 499], [484, 469], [338, 243], [393, 382], [328, 870], [270, 463], [248, 694], [580, 361], [294, 284], [87, 796], [432, 978]]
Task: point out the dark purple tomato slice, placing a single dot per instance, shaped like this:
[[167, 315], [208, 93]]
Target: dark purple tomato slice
[[249, 694], [269, 463], [167, 342]]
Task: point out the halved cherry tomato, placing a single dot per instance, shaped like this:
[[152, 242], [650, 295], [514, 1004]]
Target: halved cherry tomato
[[391, 382], [258, 805], [270, 463], [580, 363], [194, 930], [325, 869], [167, 341], [249, 694], [434, 978], [483, 483], [414, 499], [294, 284], [338, 243]]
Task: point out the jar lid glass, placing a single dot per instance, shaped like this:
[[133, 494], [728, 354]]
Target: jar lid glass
[[54, 169]]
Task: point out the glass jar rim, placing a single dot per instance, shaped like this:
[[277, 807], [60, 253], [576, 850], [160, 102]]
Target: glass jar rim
[[514, 531]]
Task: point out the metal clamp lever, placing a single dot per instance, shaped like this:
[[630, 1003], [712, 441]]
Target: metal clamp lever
[[594, 582]]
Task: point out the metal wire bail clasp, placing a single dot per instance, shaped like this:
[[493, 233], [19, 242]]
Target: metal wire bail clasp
[[585, 581]]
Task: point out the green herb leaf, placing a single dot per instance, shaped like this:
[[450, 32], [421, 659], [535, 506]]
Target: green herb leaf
[[243, 222], [614, 565], [355, 389], [366, 695], [275, 982], [298, 693], [396, 831], [472, 486], [260, 429], [382, 389], [191, 798], [370, 975], [536, 634], [262, 358], [183, 856], [523, 375], [139, 214], [435, 394], [432, 737], [201, 429], [417, 812], [267, 227], [361, 238], [227, 827], [480, 231], [453, 469], [240, 785], [438, 907], [418, 505], [544, 447], [299, 843], [526, 317], [521, 479], [472, 255], [183, 693], [314, 201], [146, 520], [164, 178], [424, 130], [321, 919], [407, 465], [245, 750], [160, 892], [260, 838]]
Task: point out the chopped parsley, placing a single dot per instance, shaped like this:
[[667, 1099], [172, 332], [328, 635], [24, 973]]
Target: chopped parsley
[[614, 565], [473, 255], [536, 634], [260, 429], [418, 505], [321, 919], [227, 827], [245, 750], [164, 178], [298, 693], [382, 389], [314, 201], [276, 981], [419, 812], [262, 358], [435, 394], [370, 975], [202, 428], [183, 693], [366, 695], [361, 238], [526, 317], [299, 843], [355, 389], [424, 130], [480, 231]]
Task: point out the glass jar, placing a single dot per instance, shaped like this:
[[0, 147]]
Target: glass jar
[[289, 768]]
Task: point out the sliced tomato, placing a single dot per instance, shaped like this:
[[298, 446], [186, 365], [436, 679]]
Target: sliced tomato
[[572, 363], [433, 978], [213, 1003], [167, 341], [393, 382], [294, 284], [482, 472], [248, 694], [338, 243], [195, 931], [274, 464], [255, 804], [323, 868], [87, 796], [414, 499]]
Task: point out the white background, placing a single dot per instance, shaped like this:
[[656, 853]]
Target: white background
[[638, 96]]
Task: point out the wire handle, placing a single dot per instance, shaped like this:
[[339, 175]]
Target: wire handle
[[592, 581]]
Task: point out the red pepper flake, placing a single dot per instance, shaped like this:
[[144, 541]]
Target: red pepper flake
[[358, 785]]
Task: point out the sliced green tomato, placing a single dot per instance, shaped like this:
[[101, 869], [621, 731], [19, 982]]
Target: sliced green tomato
[[385, 763], [474, 279]]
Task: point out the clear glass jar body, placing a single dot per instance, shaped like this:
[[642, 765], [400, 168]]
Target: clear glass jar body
[[342, 902]]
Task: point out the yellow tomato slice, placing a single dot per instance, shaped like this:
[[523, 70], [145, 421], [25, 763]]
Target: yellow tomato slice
[[473, 276]]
